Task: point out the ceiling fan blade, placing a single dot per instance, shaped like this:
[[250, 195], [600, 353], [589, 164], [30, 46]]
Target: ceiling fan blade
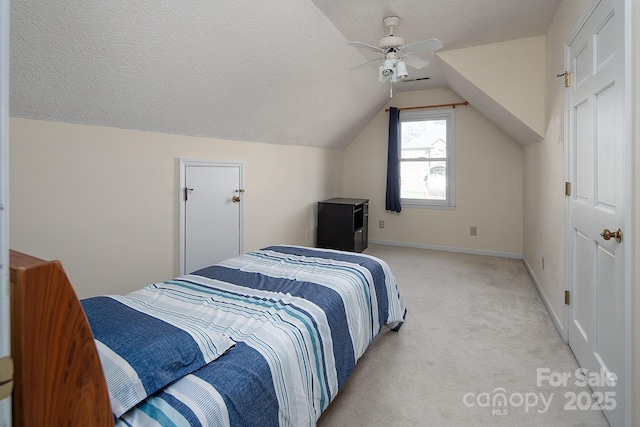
[[415, 62], [424, 46], [364, 64], [367, 46]]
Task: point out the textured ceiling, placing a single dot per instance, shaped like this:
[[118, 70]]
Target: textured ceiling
[[275, 71]]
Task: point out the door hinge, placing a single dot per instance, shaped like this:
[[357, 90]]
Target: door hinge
[[567, 297], [567, 188], [567, 78], [6, 377]]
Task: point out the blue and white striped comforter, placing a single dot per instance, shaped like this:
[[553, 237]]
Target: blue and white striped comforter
[[297, 320]]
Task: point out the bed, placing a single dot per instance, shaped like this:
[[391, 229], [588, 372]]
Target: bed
[[265, 338]]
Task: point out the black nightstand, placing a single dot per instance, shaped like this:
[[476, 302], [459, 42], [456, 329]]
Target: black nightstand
[[343, 224]]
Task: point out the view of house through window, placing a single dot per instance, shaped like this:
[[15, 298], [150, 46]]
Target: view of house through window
[[426, 157]]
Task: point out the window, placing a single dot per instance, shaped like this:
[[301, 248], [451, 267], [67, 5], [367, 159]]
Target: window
[[427, 153]]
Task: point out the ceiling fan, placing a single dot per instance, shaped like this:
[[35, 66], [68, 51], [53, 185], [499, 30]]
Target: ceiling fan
[[395, 54]]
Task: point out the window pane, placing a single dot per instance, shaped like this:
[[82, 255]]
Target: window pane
[[424, 139], [427, 157], [423, 180]]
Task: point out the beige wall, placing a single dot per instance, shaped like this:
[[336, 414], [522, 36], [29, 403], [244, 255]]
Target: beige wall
[[512, 74], [488, 183], [105, 201], [635, 218], [544, 200]]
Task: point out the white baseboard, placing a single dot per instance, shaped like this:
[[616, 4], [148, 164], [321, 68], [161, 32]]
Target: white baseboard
[[554, 316], [448, 248]]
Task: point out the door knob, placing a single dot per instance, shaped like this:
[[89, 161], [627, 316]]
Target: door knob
[[235, 199], [608, 234], [187, 190]]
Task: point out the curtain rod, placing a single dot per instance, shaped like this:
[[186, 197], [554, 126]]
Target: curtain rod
[[431, 106]]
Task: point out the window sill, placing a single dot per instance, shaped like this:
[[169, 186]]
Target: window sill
[[419, 205]]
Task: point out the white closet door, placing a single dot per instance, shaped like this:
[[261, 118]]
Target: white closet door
[[598, 323], [212, 199]]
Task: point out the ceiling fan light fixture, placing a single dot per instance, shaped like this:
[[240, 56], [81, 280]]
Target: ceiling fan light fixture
[[396, 54], [385, 78], [401, 70], [388, 67], [381, 77]]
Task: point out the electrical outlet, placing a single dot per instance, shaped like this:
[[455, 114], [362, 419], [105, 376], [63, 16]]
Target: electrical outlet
[[473, 230], [381, 224]]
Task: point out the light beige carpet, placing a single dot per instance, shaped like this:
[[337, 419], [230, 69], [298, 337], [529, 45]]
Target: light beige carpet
[[476, 330]]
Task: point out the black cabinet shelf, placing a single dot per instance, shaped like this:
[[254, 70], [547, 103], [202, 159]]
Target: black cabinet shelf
[[343, 224]]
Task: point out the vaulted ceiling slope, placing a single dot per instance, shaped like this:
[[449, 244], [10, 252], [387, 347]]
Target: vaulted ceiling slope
[[275, 71]]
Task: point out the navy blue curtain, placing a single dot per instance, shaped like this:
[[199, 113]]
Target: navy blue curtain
[[393, 162]]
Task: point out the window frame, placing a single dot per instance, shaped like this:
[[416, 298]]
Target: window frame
[[447, 114]]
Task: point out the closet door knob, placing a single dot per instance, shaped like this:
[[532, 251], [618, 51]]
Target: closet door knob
[[608, 234]]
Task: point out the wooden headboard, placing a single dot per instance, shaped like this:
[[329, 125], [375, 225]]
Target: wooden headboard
[[58, 379]]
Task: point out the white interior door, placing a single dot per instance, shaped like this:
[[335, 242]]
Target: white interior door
[[211, 203], [598, 315]]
